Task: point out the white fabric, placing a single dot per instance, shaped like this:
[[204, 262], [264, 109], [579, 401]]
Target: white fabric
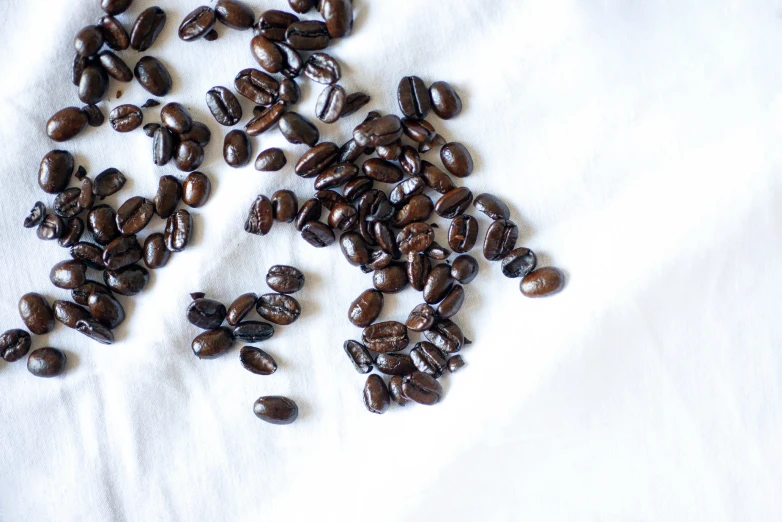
[[637, 144]]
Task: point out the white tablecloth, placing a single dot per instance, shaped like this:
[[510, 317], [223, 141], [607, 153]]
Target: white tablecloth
[[638, 146]]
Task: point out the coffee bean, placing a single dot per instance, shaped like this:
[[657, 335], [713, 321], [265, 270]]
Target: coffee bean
[[298, 129], [163, 146], [317, 159], [436, 179], [374, 206], [419, 208], [121, 252], [317, 234], [36, 313], [266, 120], [115, 7], [457, 159], [289, 91], [66, 124], [428, 359], [454, 363], [492, 206], [415, 237], [462, 233], [273, 23], [390, 280], [389, 152], [270, 160], [261, 217], [253, 331], [366, 308], [338, 15], [153, 76], [309, 211], [93, 84], [382, 171], [351, 151], [150, 103], [36, 216], [82, 293], [385, 238], [354, 102], [196, 189], [189, 155], [95, 117], [308, 36], [150, 129], [445, 101], [453, 203], [437, 252], [88, 41], [267, 54], [179, 229], [301, 6], [421, 318], [394, 364], [46, 362], [446, 335], [257, 361], [452, 302], [354, 249], [114, 33], [284, 206], [336, 176], [285, 279], [418, 131], [134, 215], [14, 344], [395, 390], [237, 148], [197, 23], [276, 410], [239, 309], [212, 343], [125, 118], [51, 228], [438, 284], [343, 217], [331, 103], [322, 68], [357, 187], [169, 192], [147, 28], [500, 239], [71, 233], [91, 255], [156, 255], [69, 313], [257, 86], [68, 274], [359, 356], [54, 173], [278, 308], [418, 268], [66, 204], [235, 14], [106, 310], [413, 98], [376, 398], [176, 118], [206, 314], [109, 182], [330, 199], [224, 106], [79, 63], [211, 36], [421, 388], [378, 261], [382, 131], [519, 262], [198, 133], [86, 194], [129, 280], [95, 331], [543, 282]]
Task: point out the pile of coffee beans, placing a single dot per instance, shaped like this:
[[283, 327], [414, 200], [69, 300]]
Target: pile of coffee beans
[[278, 308]]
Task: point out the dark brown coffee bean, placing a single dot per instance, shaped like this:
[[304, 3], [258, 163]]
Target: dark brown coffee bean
[[36, 216], [354, 248], [153, 76], [338, 15], [438, 284], [378, 261], [224, 106], [71, 233], [462, 233], [356, 188], [66, 124], [237, 149], [500, 239], [366, 308], [317, 234], [257, 361], [317, 159], [331, 103], [36, 313], [253, 331], [437, 252], [454, 363], [147, 28], [543, 282], [359, 356], [436, 179], [376, 398], [125, 118], [382, 131], [351, 152], [278, 308], [86, 194], [322, 68], [14, 344], [421, 388], [54, 173], [156, 255], [106, 310], [114, 33], [211, 36], [418, 268], [109, 182], [382, 171], [445, 101], [82, 294], [261, 217], [492, 206], [301, 6], [79, 63], [452, 303], [385, 238], [446, 335], [168, 194], [115, 7], [343, 217], [395, 390], [273, 23], [129, 280], [134, 215], [95, 117], [428, 359], [336, 176], [163, 146], [88, 41], [413, 98], [68, 274], [179, 229], [519, 263], [394, 364], [419, 208], [421, 318], [189, 155], [197, 23], [418, 131], [176, 118], [453, 203], [51, 228], [257, 86], [121, 252], [415, 237], [309, 211], [298, 129], [150, 103], [88, 253], [93, 329], [66, 204], [285, 206], [198, 133], [389, 152], [235, 14], [457, 159], [289, 91], [436, 142], [276, 410], [354, 102], [212, 343], [285, 279], [308, 36], [390, 280], [293, 63], [150, 128], [330, 199], [46, 362], [266, 120], [196, 189], [206, 314], [270, 160], [93, 85], [239, 309], [69, 313], [267, 54]]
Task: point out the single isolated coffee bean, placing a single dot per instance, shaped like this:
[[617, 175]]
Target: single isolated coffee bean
[[199, 133], [322, 68], [278, 308], [129, 280], [359, 356], [147, 28], [206, 314], [163, 146], [519, 262], [88, 41], [354, 102], [421, 318], [212, 343], [366, 308], [445, 100], [126, 118], [261, 217], [71, 233], [331, 104], [257, 361], [114, 33], [121, 252], [93, 84], [338, 15], [446, 335], [224, 106], [452, 303], [197, 23], [196, 189], [500, 239], [93, 329], [54, 173], [285, 206], [389, 336], [270, 160], [413, 98], [36, 313], [51, 228], [169, 191], [395, 390], [176, 118], [453, 203], [309, 211], [285, 279], [253, 331], [239, 309], [153, 76], [462, 233], [95, 117], [308, 36], [257, 86], [376, 398], [89, 254], [276, 410], [543, 282], [36, 216], [317, 159], [115, 7], [179, 229], [134, 215], [394, 363], [108, 182], [188, 156], [106, 310], [317, 234], [298, 129], [428, 359], [273, 23], [14, 344], [235, 14], [68, 274], [66, 124], [156, 255], [266, 119], [46, 362], [456, 159], [237, 149], [492, 206], [421, 388]]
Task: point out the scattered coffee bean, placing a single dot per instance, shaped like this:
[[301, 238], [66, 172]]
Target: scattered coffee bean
[[419, 131], [90, 254], [289, 91], [413, 98], [285, 206], [359, 356], [197, 24], [428, 359], [115, 7], [389, 336], [543, 282], [317, 159], [418, 268], [366, 308], [46, 362], [106, 310], [147, 28], [129, 280], [454, 363], [69, 313], [153, 76], [376, 398], [457, 159], [239, 309], [308, 36], [266, 119], [445, 101], [68, 274], [206, 314], [51, 228], [121, 252], [66, 124], [462, 233], [331, 104], [88, 41], [235, 14], [453, 203], [212, 343], [451, 303], [317, 234], [419, 208], [179, 229], [163, 146], [176, 118], [278, 308], [156, 255], [237, 149], [93, 329], [198, 133], [253, 331], [196, 189], [93, 84], [125, 118], [301, 6], [36, 216], [71, 233], [257, 86], [14, 344], [285, 279], [394, 364], [492, 206], [382, 131], [82, 294], [224, 106], [338, 15], [438, 284], [357, 187], [519, 262], [95, 117], [309, 211], [421, 318], [436, 179], [188, 156], [421, 388], [261, 217], [354, 102], [395, 390], [415, 237], [500, 239], [36, 313], [276, 410], [322, 68], [257, 361], [298, 129], [270, 160], [446, 335]]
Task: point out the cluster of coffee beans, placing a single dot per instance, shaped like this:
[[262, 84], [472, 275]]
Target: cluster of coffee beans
[[278, 308], [178, 138]]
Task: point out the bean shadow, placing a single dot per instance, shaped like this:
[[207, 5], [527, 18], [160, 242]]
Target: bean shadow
[[198, 230], [305, 410], [72, 360], [309, 305]]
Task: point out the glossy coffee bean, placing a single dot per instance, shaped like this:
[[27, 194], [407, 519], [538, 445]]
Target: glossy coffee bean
[[298, 129], [284, 206], [82, 294], [455, 363], [153, 76], [95, 117], [93, 329], [308, 36], [253, 331], [359, 356], [46, 362], [36, 216], [237, 148], [240, 307], [366, 308], [415, 237], [301, 6], [129, 280], [336, 176], [500, 239], [438, 284], [309, 211], [150, 103], [273, 24], [235, 14], [413, 98], [212, 343], [293, 62], [270, 160], [71, 233], [179, 229], [69, 313], [278, 308], [357, 187], [115, 67], [134, 215], [385, 238], [382, 171], [317, 159], [79, 63], [452, 303], [54, 173], [176, 118], [14, 344], [317, 234], [66, 124], [86, 194], [36, 313], [268, 55], [419, 208], [88, 41], [492, 206], [163, 146], [322, 68], [446, 335], [338, 15], [197, 23], [261, 217], [126, 118], [378, 261], [445, 100], [421, 388], [437, 252], [519, 262], [114, 33], [457, 159], [436, 179], [453, 203], [418, 268], [343, 217], [350, 152], [106, 310], [66, 204], [257, 86], [198, 133], [354, 102], [374, 206], [462, 233], [394, 364], [147, 28], [428, 359], [88, 253], [51, 228], [266, 119], [122, 252], [156, 255], [354, 248], [169, 192], [382, 131], [196, 189], [410, 160], [224, 106], [276, 410], [188, 156], [108, 182], [257, 361], [543, 282], [285, 279], [115, 7], [421, 318], [395, 390], [289, 91], [376, 397], [93, 84], [331, 104], [403, 192], [68, 274], [206, 314], [390, 280], [419, 131]]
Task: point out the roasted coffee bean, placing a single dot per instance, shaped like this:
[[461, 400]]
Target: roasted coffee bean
[[121, 252], [270, 160], [253, 331], [276, 410], [284, 206], [359, 356], [308, 36], [211, 36], [90, 254], [343, 217], [330, 199], [196, 189], [267, 54], [126, 118], [438, 284], [46, 362], [261, 217], [239, 309], [415, 237], [394, 363], [278, 308], [437, 252], [176, 118], [519, 262], [257, 86], [317, 159], [257, 361], [235, 14], [462, 233], [492, 206], [354, 102], [82, 293], [150, 103], [336, 176], [418, 268], [115, 7], [93, 329], [351, 151], [317, 234], [289, 91], [114, 33], [457, 159], [206, 314], [224, 106], [106, 310], [285, 279], [436, 142], [237, 149], [452, 303], [273, 23], [354, 249], [322, 68], [212, 343], [366, 308], [436, 179], [198, 133], [500, 239], [36, 313], [418, 131], [421, 388], [454, 363], [95, 117], [179, 229], [71, 233], [395, 390], [79, 63], [378, 261], [14, 344], [298, 129], [66, 204], [421, 318], [309, 211], [382, 171], [51, 228], [390, 280], [197, 24], [413, 98], [385, 238], [163, 146], [389, 152], [376, 398], [301, 6], [147, 28], [134, 215], [156, 255], [428, 359], [197, 295], [88, 41], [68, 274], [446, 335], [129, 280], [338, 15], [153, 76], [445, 101], [109, 182], [169, 192], [453, 203], [357, 187], [266, 120], [543, 282], [54, 173], [382, 131], [93, 84], [189, 155], [66, 124], [419, 208], [86, 193], [36, 216], [293, 62], [331, 104], [69, 313], [149, 129]]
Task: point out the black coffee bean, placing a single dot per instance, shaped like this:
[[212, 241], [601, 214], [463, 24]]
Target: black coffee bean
[[109, 182], [169, 191], [121, 252], [257, 361], [351, 151], [308, 36], [298, 129], [196, 189], [129, 280], [428, 359], [54, 173], [445, 101], [301, 6], [224, 106], [421, 318], [357, 187], [331, 103], [418, 268], [235, 14], [212, 343], [239, 309], [261, 217], [179, 229], [188, 156], [36, 313], [453, 203], [415, 237], [285, 206], [102, 223], [68, 274], [266, 119], [382, 170], [88, 253], [354, 248], [237, 148], [322, 68], [82, 293], [338, 15], [66, 124], [519, 262], [253, 331], [106, 310], [382, 131], [257, 86], [317, 234], [376, 398], [366, 308], [395, 390], [163, 144], [66, 204], [36, 216], [198, 133], [150, 128], [413, 98], [156, 255], [436, 179], [147, 28], [134, 215], [394, 364], [419, 208], [88, 41], [14, 344], [153, 76], [115, 7], [206, 314], [197, 23], [150, 103], [278, 308], [390, 280], [95, 117], [317, 159], [437, 252], [446, 335], [273, 23], [276, 410], [452, 303], [51, 228], [359, 356], [46, 362], [500, 239], [543, 282], [421, 388], [114, 33], [93, 329], [285, 279], [309, 211], [176, 118], [71, 233], [462, 233], [343, 217], [126, 118], [438, 284], [69, 313], [457, 159], [419, 131], [354, 102], [289, 91]]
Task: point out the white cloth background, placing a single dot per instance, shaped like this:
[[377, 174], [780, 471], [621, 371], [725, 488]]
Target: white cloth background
[[638, 145]]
